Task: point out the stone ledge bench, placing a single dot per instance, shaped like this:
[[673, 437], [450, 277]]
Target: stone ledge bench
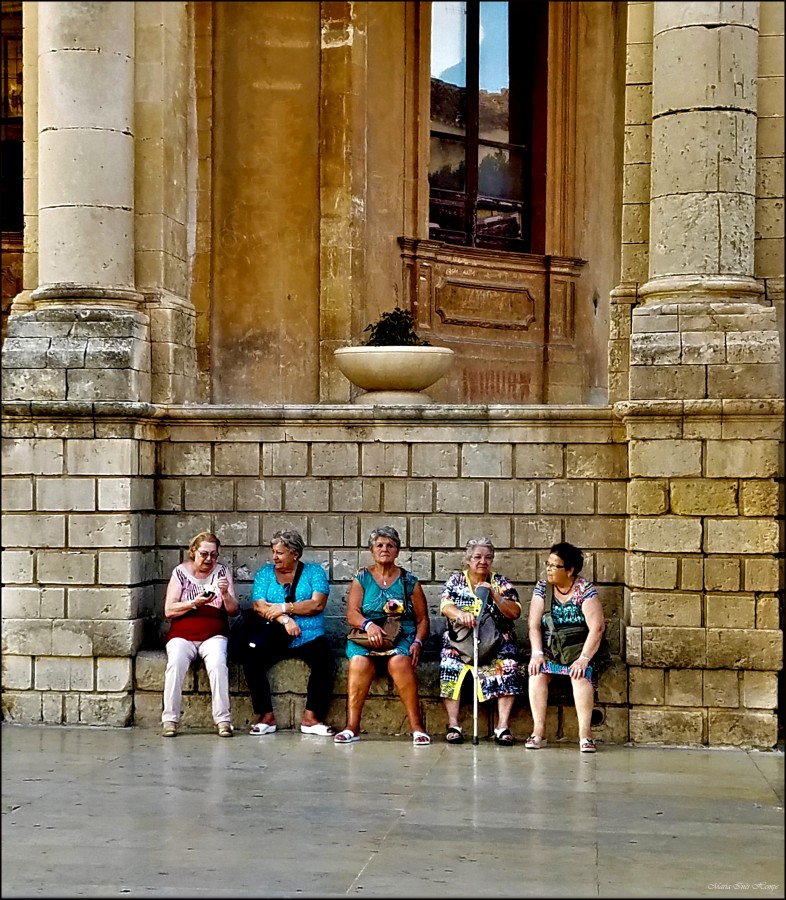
[[382, 713]]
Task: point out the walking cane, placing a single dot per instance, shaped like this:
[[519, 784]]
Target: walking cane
[[482, 593]]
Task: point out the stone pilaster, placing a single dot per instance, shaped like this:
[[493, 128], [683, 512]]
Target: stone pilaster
[[86, 337], [342, 161]]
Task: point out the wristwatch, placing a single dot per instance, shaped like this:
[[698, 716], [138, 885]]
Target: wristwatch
[[284, 619]]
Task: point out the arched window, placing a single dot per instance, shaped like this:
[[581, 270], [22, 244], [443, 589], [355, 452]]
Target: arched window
[[488, 124]]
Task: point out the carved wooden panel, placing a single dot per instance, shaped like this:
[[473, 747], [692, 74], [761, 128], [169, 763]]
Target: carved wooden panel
[[500, 312], [481, 305]]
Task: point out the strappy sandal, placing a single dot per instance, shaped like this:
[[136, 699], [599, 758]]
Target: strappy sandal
[[503, 737], [587, 745], [534, 742], [454, 735]]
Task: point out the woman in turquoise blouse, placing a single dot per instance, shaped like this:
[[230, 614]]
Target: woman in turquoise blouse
[[379, 590], [301, 612]]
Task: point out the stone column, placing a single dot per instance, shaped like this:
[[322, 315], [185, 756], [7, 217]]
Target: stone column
[[703, 152], [86, 331], [78, 524], [703, 331], [705, 417]]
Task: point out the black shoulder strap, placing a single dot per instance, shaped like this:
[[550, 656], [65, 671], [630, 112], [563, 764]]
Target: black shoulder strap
[[549, 596], [404, 587], [293, 586]]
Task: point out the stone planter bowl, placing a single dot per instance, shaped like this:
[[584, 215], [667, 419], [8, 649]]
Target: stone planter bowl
[[394, 374]]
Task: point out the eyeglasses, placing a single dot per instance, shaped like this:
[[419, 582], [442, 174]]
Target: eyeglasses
[[211, 555], [553, 566], [484, 558]]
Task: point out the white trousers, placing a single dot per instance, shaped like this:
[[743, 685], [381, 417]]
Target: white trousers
[[180, 653]]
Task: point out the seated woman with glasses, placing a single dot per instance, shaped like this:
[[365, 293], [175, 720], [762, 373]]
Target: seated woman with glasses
[[199, 599], [574, 602], [499, 678]]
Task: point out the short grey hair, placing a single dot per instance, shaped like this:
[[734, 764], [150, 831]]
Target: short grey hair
[[478, 542], [291, 539], [384, 531]]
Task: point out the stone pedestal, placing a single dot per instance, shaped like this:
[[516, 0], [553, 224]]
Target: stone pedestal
[[85, 335]]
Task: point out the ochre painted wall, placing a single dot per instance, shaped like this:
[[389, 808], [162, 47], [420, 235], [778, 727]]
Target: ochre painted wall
[[265, 294]]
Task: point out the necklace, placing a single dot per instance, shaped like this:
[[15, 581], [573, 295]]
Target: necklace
[[384, 579], [564, 593]]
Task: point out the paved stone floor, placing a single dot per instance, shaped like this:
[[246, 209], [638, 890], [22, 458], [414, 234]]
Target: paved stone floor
[[94, 812]]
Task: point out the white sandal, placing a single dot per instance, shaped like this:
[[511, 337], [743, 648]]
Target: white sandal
[[347, 736], [262, 728], [320, 728], [420, 739]]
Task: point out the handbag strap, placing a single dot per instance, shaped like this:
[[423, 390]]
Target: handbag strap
[[293, 585], [549, 596]]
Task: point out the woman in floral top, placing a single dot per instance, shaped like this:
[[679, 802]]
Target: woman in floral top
[[500, 677], [575, 602]]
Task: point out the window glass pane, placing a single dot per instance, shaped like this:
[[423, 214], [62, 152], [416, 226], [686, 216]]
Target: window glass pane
[[448, 67], [447, 219], [494, 76], [447, 165], [499, 173]]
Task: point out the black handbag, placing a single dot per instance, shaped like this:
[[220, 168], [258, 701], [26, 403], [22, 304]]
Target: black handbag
[[489, 638], [252, 632]]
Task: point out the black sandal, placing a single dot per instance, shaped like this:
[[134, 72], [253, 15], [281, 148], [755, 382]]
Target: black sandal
[[454, 735], [504, 738]]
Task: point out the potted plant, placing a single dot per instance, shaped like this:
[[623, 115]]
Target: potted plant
[[395, 365]]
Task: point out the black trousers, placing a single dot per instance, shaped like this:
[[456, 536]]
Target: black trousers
[[316, 654]]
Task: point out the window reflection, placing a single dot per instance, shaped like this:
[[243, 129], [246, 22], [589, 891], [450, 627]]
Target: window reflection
[[493, 74]]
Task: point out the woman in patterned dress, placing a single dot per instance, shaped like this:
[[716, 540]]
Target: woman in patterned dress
[[499, 678], [575, 602]]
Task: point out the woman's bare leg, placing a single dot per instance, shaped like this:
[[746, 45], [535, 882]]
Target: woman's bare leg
[[406, 680], [359, 678]]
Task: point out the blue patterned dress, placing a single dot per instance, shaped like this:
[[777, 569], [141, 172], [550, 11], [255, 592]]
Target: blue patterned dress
[[567, 613]]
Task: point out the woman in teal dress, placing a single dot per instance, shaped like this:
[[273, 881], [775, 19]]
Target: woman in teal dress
[[377, 591]]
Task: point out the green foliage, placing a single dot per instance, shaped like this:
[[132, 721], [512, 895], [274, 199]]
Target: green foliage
[[394, 329]]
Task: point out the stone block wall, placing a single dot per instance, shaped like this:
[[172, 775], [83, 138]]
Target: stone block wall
[[704, 572], [679, 525], [78, 566], [98, 513]]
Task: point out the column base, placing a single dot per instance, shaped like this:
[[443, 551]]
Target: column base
[[77, 353], [70, 291]]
